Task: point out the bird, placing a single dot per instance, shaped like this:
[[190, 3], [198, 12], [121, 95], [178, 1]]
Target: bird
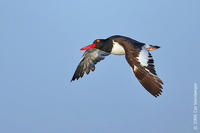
[[136, 53]]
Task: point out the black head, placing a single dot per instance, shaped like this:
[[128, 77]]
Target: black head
[[102, 44], [99, 43]]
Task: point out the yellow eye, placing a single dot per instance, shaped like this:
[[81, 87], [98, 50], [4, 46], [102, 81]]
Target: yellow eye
[[98, 40]]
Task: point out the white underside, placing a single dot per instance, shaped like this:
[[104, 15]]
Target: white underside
[[117, 49]]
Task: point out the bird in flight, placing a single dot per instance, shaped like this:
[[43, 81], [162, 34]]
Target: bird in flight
[[137, 55]]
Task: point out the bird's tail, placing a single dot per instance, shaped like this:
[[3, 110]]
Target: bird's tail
[[151, 47]]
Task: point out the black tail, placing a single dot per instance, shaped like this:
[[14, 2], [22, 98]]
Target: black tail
[[151, 47]]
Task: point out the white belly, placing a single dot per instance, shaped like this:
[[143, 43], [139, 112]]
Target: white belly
[[117, 49]]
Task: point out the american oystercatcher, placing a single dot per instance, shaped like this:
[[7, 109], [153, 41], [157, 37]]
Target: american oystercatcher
[[137, 55]]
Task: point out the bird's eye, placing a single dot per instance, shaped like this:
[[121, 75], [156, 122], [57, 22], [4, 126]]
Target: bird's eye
[[98, 40]]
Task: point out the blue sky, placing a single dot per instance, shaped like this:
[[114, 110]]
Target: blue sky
[[39, 52]]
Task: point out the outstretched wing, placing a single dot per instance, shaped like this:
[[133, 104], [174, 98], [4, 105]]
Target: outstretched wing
[[142, 64], [88, 61]]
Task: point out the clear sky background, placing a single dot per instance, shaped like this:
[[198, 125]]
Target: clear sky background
[[39, 52]]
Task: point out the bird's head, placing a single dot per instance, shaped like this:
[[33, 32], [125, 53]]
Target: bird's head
[[98, 43], [101, 44]]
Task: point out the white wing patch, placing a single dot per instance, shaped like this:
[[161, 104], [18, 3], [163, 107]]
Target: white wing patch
[[143, 57], [145, 60], [117, 49]]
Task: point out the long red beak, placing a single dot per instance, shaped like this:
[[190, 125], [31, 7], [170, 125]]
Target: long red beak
[[88, 47]]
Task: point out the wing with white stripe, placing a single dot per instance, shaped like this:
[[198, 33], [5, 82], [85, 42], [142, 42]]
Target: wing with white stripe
[[142, 64], [146, 60]]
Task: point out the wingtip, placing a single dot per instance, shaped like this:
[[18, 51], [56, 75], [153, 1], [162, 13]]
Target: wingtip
[[72, 79], [157, 95]]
